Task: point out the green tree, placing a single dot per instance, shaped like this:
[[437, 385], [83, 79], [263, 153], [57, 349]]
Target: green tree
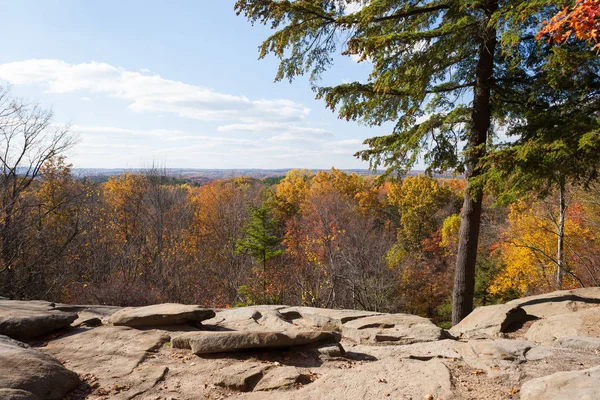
[[557, 137], [440, 71], [261, 239]]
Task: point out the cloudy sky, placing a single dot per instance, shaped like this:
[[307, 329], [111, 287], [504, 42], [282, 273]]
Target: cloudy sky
[[171, 81]]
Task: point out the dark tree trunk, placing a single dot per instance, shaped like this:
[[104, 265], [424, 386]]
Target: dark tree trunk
[[464, 278], [560, 253]]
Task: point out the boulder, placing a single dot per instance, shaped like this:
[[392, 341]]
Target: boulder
[[489, 321], [242, 377], [26, 320], [392, 328], [579, 323], [322, 317], [160, 315], [495, 320], [17, 394], [496, 357], [580, 385], [29, 370], [228, 341], [559, 302], [282, 378], [249, 319]]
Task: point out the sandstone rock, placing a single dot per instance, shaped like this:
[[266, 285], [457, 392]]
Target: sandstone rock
[[388, 379], [227, 341], [106, 351], [559, 302], [579, 342], [282, 378], [251, 318], [493, 321], [30, 319], [22, 367], [580, 385], [160, 314], [17, 394], [242, 377], [86, 319], [579, 323], [323, 317], [488, 321], [496, 357], [392, 328]]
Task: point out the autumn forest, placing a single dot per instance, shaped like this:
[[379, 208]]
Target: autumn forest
[[498, 99]]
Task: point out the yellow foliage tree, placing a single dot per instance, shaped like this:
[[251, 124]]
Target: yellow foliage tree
[[529, 249]]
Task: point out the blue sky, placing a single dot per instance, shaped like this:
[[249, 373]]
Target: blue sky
[[176, 82]]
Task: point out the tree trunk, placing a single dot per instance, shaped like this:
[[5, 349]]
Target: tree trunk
[[560, 256], [464, 278]]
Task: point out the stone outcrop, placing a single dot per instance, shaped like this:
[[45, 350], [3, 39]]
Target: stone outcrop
[[580, 385], [496, 320], [28, 373], [584, 323], [489, 321], [175, 351], [392, 328], [160, 315], [25, 320], [323, 317], [228, 341]]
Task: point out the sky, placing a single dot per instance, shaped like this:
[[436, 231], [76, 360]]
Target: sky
[[175, 82]]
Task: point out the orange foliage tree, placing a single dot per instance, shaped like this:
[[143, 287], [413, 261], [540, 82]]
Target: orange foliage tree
[[581, 21]]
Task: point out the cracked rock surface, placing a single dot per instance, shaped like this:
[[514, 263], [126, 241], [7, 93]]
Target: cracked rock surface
[[542, 347]]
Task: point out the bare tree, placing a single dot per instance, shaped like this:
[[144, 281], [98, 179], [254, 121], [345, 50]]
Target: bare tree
[[28, 139]]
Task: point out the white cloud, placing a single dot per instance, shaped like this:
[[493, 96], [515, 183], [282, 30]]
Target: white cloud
[[125, 131], [86, 99], [150, 93], [276, 128]]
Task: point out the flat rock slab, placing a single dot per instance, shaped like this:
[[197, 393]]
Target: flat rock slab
[[580, 323], [580, 385], [252, 318], [579, 343], [106, 351], [17, 394], [496, 357], [280, 378], [228, 341], [386, 379], [323, 317], [489, 321], [495, 320], [392, 329], [24, 320], [241, 377], [160, 315], [29, 370], [559, 302]]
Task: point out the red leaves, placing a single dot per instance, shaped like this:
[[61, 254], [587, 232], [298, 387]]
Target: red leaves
[[582, 21]]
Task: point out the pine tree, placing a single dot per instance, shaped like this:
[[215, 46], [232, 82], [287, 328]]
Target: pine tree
[[442, 70], [261, 240]]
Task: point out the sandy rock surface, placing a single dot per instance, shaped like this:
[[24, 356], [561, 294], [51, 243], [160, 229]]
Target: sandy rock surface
[[541, 347], [160, 315], [31, 319], [32, 372]]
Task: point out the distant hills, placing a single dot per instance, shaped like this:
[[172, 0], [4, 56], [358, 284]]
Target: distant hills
[[200, 176]]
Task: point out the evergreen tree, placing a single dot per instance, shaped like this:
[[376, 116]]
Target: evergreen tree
[[441, 70], [261, 240]]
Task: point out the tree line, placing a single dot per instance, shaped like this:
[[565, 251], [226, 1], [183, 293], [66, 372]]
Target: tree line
[[456, 78], [324, 239]]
